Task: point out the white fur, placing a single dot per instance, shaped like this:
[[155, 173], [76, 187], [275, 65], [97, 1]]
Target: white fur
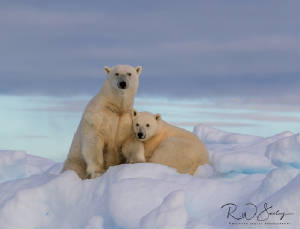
[[164, 144], [105, 124]]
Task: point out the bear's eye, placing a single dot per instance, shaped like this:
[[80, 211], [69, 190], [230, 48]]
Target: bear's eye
[[116, 74], [147, 125], [128, 73], [137, 124]]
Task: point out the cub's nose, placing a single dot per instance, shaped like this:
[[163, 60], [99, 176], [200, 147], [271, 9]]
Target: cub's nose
[[122, 85], [140, 135]]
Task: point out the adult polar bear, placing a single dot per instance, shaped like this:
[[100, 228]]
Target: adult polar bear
[[105, 124]]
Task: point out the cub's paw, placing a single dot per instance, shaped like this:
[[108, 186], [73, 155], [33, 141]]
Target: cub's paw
[[133, 160]]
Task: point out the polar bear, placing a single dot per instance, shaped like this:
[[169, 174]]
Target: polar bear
[[106, 123], [156, 141]]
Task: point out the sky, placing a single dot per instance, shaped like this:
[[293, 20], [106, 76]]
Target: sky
[[230, 64]]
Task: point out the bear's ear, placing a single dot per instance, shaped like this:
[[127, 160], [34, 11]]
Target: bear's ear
[[135, 113], [158, 117], [107, 70], [138, 69]]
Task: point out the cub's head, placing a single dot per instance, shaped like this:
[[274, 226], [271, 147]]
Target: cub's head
[[145, 124], [123, 77]]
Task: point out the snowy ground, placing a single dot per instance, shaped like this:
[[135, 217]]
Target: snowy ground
[[251, 172]]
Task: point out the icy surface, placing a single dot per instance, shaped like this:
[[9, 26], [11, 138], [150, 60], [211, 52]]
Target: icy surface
[[211, 135], [170, 214], [243, 169], [18, 164], [285, 151]]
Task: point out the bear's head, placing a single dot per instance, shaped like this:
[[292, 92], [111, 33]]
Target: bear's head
[[145, 124], [123, 77]]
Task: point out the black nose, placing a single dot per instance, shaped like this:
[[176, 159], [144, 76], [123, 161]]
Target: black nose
[[140, 134], [122, 85]]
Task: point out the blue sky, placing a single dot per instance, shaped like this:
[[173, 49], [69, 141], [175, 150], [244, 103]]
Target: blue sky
[[231, 64]]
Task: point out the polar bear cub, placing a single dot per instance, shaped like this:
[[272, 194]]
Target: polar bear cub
[[154, 140]]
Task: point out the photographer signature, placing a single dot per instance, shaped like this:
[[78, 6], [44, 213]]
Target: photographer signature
[[251, 211]]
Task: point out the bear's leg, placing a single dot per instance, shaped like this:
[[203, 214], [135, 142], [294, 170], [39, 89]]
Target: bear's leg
[[137, 153], [77, 165], [74, 160], [92, 151], [133, 151]]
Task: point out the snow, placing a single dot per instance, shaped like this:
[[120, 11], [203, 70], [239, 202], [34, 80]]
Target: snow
[[205, 171], [274, 181], [18, 164], [95, 222], [285, 151], [241, 162], [243, 169], [211, 135], [170, 214], [234, 153]]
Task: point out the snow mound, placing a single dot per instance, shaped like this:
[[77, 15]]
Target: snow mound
[[274, 181], [286, 201], [279, 136], [234, 153], [205, 171], [210, 135], [170, 214], [241, 163], [18, 164], [125, 196], [95, 222], [33, 193], [285, 151]]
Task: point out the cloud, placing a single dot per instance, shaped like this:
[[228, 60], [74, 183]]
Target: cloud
[[252, 116], [270, 104], [283, 103], [64, 105], [214, 50], [261, 89], [253, 44], [32, 136], [214, 124], [257, 55], [47, 19]]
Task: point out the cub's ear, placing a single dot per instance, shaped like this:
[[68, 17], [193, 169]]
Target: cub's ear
[[158, 117], [135, 113], [107, 70], [138, 69]]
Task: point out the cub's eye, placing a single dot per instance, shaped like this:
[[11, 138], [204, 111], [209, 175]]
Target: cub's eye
[[128, 73], [147, 125], [137, 124], [116, 74]]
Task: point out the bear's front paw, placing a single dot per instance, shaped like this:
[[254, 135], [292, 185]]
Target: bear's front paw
[[137, 161], [133, 160], [93, 173]]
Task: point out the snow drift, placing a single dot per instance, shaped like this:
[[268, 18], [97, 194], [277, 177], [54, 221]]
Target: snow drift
[[244, 169]]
